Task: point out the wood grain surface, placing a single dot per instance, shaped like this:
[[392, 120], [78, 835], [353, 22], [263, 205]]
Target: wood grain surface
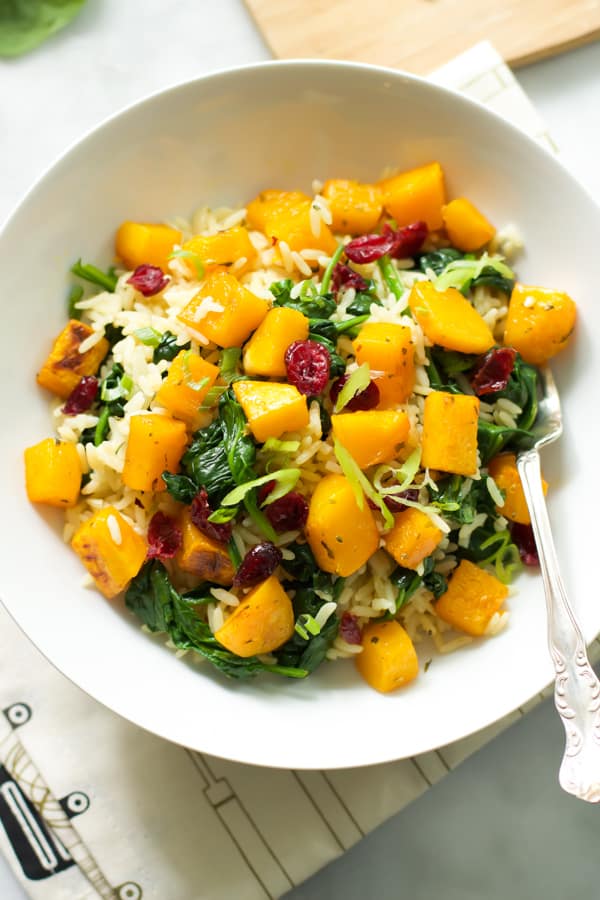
[[418, 35]]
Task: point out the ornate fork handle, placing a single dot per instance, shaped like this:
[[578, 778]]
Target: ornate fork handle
[[577, 689]]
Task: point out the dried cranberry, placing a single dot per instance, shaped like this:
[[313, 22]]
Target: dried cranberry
[[148, 280], [409, 240], [258, 563], [492, 371], [82, 396], [368, 398], [164, 537], [200, 511], [350, 629], [288, 513], [369, 247], [344, 276], [307, 364], [522, 536], [394, 501]]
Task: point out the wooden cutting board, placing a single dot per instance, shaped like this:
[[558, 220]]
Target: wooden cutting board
[[419, 35]]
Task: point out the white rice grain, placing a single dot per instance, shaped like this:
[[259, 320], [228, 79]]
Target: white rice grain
[[91, 341], [114, 529]]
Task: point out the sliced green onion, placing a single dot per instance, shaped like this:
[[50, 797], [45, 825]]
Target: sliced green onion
[[107, 280], [259, 518], [228, 365], [357, 382], [390, 276], [221, 516], [307, 626], [234, 554], [148, 336], [285, 480], [193, 258], [327, 274], [274, 445], [405, 474], [360, 483], [461, 272], [212, 397], [101, 427], [75, 295], [505, 558]]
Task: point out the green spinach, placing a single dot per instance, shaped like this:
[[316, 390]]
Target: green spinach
[[26, 23], [168, 348], [106, 280]]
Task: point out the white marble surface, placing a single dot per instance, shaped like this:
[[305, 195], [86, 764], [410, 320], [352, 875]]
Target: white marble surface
[[497, 827]]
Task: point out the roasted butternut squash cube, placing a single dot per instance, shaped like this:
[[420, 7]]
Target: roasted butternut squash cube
[[413, 538], [539, 322], [156, 444], [188, 380], [265, 351], [355, 208], [341, 536], [388, 660], [292, 224], [202, 556], [140, 242], [53, 473], [262, 622], [373, 436], [241, 311], [224, 249], [466, 227], [259, 209], [416, 195], [110, 549], [450, 433], [448, 319], [65, 366], [389, 349], [271, 408], [503, 469], [472, 599]]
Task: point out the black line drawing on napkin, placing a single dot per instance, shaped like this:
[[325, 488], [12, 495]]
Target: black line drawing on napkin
[[37, 824]]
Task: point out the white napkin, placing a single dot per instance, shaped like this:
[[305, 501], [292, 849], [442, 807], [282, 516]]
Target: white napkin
[[91, 806]]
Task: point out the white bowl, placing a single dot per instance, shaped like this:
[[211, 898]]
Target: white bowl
[[219, 140]]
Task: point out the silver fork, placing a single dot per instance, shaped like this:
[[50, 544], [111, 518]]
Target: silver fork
[[576, 688]]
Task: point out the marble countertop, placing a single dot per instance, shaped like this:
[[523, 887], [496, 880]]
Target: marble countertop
[[498, 826]]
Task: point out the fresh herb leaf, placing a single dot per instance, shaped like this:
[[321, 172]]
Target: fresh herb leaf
[[87, 271], [168, 348], [26, 23]]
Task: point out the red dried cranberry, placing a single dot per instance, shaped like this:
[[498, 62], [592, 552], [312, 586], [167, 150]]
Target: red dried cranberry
[[200, 511], [148, 280], [164, 537], [350, 629], [369, 247], [522, 536], [368, 398], [307, 364], [344, 276], [492, 371], [82, 396], [264, 491], [288, 513], [258, 563], [409, 240], [394, 501]]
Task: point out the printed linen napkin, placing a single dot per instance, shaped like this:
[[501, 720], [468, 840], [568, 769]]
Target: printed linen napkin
[[91, 806]]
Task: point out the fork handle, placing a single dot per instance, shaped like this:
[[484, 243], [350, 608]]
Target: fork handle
[[576, 688]]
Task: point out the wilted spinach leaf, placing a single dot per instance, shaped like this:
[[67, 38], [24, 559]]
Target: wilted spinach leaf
[[168, 348], [26, 23], [437, 260]]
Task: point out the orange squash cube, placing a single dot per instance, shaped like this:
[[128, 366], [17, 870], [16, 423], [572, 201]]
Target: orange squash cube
[[448, 319], [413, 538], [539, 322], [156, 444], [140, 242], [416, 195], [466, 227], [110, 549], [65, 366], [503, 469], [259, 209], [262, 622], [242, 311], [355, 208], [223, 249], [389, 349], [449, 438], [53, 473], [388, 659], [341, 536], [265, 351], [271, 408], [188, 381], [292, 224], [202, 556], [472, 599], [373, 436]]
